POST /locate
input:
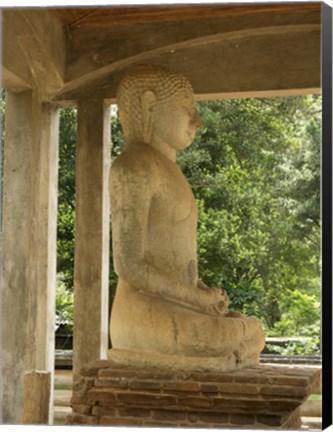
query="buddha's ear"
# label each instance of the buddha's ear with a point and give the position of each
(148, 100)
(147, 104)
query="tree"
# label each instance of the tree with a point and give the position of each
(66, 196)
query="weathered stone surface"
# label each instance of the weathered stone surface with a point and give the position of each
(182, 386)
(192, 417)
(139, 399)
(177, 401)
(82, 409)
(100, 411)
(84, 384)
(81, 419)
(282, 405)
(283, 390)
(134, 412)
(162, 313)
(214, 417)
(112, 382)
(242, 419)
(271, 420)
(240, 404)
(91, 264)
(196, 402)
(209, 388)
(92, 369)
(169, 415)
(120, 421)
(28, 268)
(115, 372)
(146, 385)
(158, 423)
(210, 377)
(104, 397)
(240, 389)
(79, 398)
(293, 421)
(36, 397)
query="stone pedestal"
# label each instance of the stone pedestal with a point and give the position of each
(263, 396)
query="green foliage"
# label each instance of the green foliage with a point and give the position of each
(117, 137)
(299, 310)
(315, 396)
(64, 304)
(66, 196)
(306, 346)
(63, 387)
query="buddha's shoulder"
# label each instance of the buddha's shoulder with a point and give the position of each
(137, 158)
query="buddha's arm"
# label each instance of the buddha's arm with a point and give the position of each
(132, 191)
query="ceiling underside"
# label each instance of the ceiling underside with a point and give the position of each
(224, 50)
(105, 15)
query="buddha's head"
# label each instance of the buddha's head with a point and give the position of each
(156, 104)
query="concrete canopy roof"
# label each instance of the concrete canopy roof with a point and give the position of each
(224, 50)
(74, 18)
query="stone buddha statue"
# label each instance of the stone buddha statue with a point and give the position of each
(162, 313)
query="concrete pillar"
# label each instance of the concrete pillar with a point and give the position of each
(29, 244)
(91, 267)
(36, 406)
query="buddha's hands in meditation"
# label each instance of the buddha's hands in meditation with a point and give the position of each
(215, 300)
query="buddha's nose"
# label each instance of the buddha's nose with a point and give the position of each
(197, 120)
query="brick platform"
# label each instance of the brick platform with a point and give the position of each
(264, 396)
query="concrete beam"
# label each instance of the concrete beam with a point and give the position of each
(64, 66)
(12, 82)
(267, 60)
(34, 48)
(97, 55)
(92, 50)
(29, 244)
(91, 268)
(13, 59)
(101, 16)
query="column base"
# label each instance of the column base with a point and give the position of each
(261, 397)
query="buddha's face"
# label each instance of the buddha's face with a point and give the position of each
(176, 120)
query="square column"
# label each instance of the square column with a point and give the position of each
(29, 244)
(91, 268)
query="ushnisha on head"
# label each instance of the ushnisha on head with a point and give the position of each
(150, 99)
